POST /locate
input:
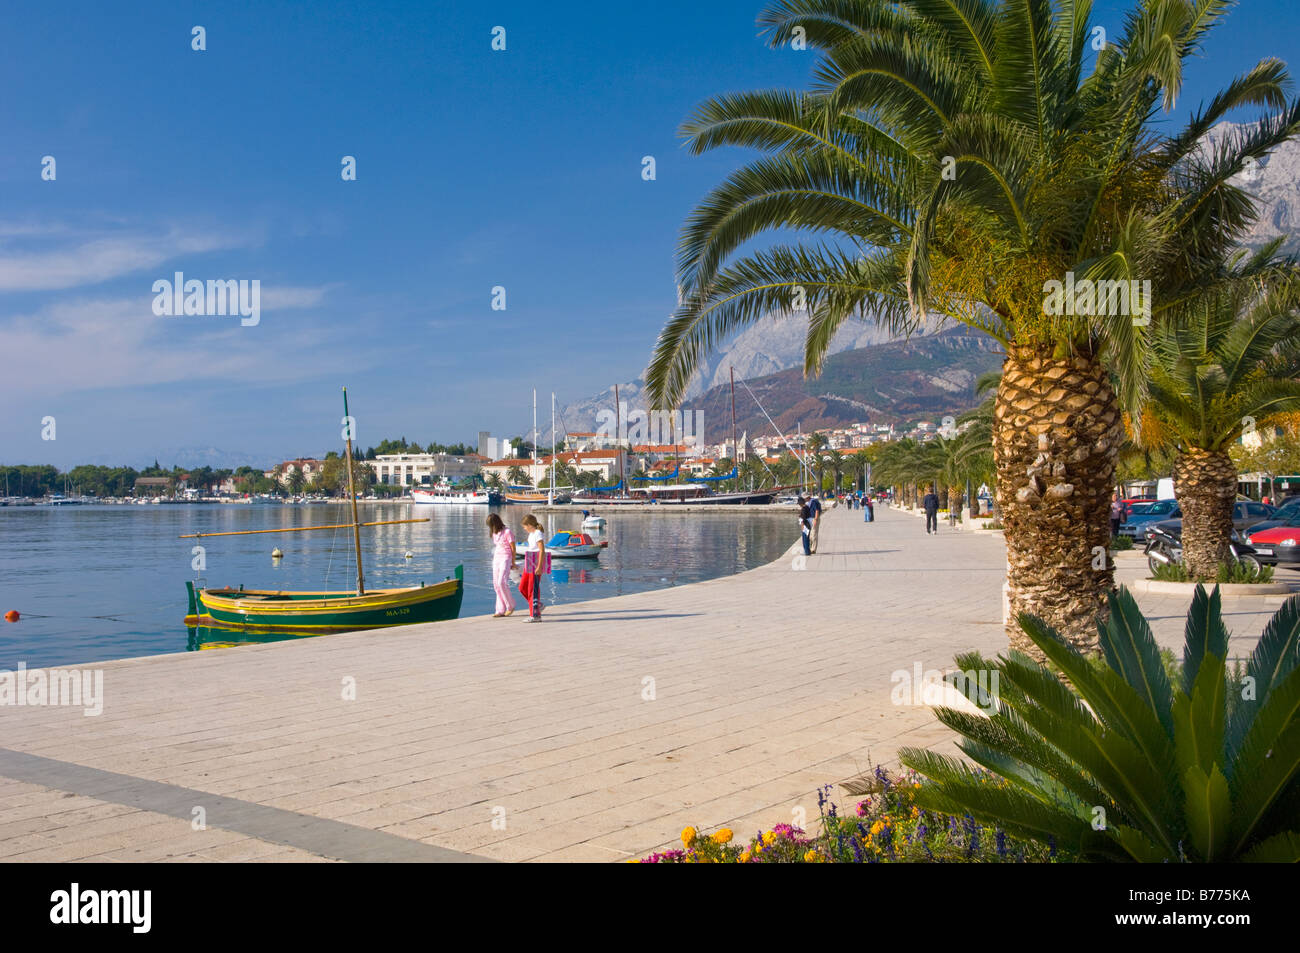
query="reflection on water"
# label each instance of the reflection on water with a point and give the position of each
(104, 582)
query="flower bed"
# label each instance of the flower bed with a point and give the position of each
(886, 827)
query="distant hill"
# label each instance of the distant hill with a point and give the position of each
(884, 384)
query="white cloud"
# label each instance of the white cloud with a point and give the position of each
(98, 259)
(97, 343)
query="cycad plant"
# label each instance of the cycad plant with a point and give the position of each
(956, 159)
(1227, 363)
(1115, 762)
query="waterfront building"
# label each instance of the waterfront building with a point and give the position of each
(152, 486)
(425, 469)
(310, 470)
(606, 464)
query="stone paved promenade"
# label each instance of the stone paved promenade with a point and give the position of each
(765, 686)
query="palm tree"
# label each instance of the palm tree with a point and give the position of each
(1229, 362)
(835, 460)
(903, 465)
(788, 469)
(753, 474)
(516, 475)
(856, 463)
(812, 452)
(957, 158)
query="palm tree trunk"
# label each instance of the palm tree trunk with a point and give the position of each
(1057, 427)
(1205, 483)
(954, 504)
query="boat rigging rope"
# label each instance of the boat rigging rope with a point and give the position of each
(802, 457)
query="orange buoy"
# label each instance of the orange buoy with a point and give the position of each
(11, 615)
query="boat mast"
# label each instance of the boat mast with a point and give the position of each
(617, 426)
(735, 447)
(550, 496)
(531, 474)
(352, 495)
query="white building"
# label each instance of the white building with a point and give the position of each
(605, 464)
(424, 469)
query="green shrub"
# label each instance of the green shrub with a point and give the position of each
(1171, 572)
(1241, 573)
(1120, 544)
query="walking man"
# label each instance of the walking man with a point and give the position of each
(805, 525)
(931, 504)
(815, 510)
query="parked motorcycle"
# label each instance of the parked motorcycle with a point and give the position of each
(1165, 547)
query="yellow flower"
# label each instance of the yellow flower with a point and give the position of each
(723, 836)
(812, 857)
(688, 835)
(769, 838)
(877, 827)
(744, 858)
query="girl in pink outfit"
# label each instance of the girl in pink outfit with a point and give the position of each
(503, 561)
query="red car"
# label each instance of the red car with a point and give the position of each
(1128, 504)
(1279, 545)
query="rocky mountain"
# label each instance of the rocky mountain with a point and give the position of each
(776, 344)
(899, 381)
(770, 346)
(923, 377)
(1275, 181)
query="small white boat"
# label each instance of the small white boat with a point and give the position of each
(566, 545)
(594, 524)
(446, 496)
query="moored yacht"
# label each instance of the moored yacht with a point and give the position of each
(447, 496)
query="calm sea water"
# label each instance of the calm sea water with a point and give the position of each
(104, 582)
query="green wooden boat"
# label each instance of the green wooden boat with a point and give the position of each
(320, 612)
(313, 613)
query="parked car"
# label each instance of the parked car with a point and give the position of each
(1134, 525)
(1289, 508)
(1279, 545)
(1135, 505)
(1245, 516)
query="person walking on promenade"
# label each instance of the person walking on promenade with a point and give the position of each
(503, 563)
(815, 511)
(869, 510)
(1116, 515)
(530, 581)
(805, 525)
(931, 506)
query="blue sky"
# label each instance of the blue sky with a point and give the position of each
(474, 169)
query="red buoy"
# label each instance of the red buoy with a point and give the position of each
(11, 615)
